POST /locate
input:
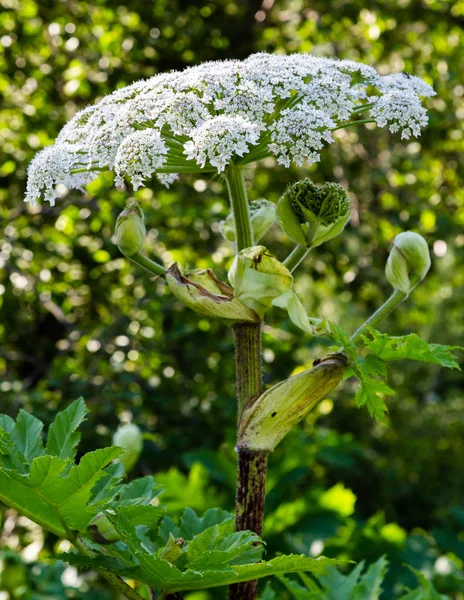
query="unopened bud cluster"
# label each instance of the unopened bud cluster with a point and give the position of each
(311, 215)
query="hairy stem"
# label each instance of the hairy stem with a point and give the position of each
(298, 254)
(251, 483)
(387, 307)
(251, 491)
(240, 206)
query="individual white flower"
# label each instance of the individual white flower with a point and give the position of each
(220, 138)
(139, 156)
(299, 133)
(400, 110)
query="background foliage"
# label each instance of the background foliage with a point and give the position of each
(77, 319)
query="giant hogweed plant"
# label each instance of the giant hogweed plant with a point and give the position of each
(218, 118)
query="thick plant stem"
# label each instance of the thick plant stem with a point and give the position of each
(296, 257)
(240, 206)
(251, 483)
(247, 363)
(381, 313)
(251, 491)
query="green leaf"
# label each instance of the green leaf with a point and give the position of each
(338, 586)
(164, 576)
(52, 492)
(297, 591)
(211, 549)
(62, 435)
(79, 484)
(410, 347)
(18, 496)
(6, 423)
(268, 593)
(369, 588)
(26, 435)
(10, 456)
(143, 515)
(192, 524)
(371, 373)
(139, 491)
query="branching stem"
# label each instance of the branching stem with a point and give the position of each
(298, 254)
(381, 313)
(146, 263)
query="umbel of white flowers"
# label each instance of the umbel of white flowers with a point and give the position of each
(206, 116)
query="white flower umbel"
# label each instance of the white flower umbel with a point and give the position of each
(401, 111)
(207, 116)
(300, 133)
(138, 157)
(220, 138)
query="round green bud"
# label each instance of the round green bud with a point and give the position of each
(310, 214)
(101, 530)
(129, 437)
(408, 262)
(130, 229)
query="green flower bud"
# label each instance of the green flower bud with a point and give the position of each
(408, 262)
(204, 293)
(267, 420)
(129, 437)
(311, 215)
(101, 530)
(130, 229)
(260, 281)
(173, 549)
(262, 216)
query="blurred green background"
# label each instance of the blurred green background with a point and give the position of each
(76, 319)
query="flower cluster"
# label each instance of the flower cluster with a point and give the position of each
(206, 116)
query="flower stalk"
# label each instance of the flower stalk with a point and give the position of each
(239, 204)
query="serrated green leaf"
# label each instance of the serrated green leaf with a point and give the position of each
(162, 575)
(79, 484)
(26, 435)
(192, 524)
(370, 585)
(369, 393)
(297, 591)
(18, 496)
(143, 515)
(410, 347)
(139, 491)
(7, 423)
(53, 492)
(10, 456)
(268, 593)
(108, 486)
(340, 587)
(211, 548)
(62, 435)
